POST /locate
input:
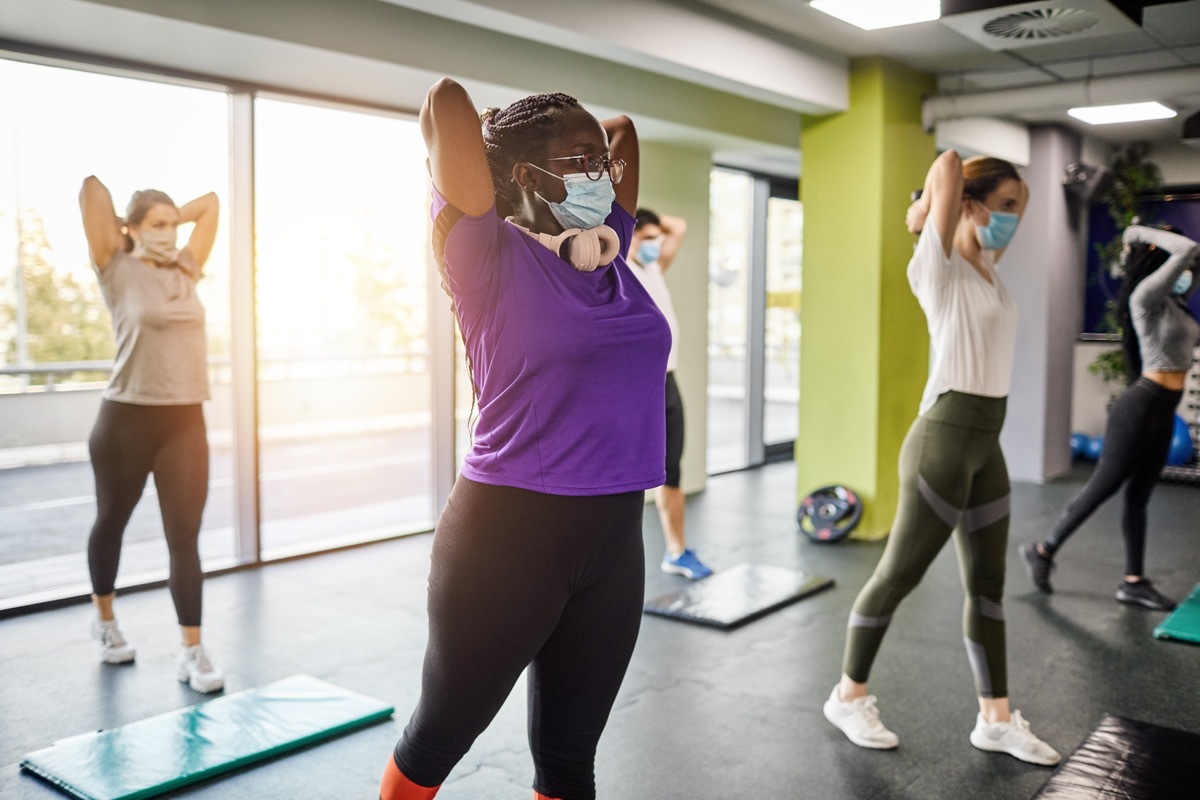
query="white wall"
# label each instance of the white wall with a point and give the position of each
(675, 181)
(1089, 394)
(1043, 269)
(1180, 164)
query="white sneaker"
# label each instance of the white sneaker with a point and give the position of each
(859, 720)
(198, 671)
(113, 647)
(1015, 738)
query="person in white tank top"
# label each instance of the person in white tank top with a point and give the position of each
(652, 249)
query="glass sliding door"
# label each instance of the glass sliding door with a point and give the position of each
(753, 318)
(731, 209)
(781, 375)
(342, 232)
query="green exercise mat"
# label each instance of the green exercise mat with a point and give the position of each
(1184, 622)
(157, 755)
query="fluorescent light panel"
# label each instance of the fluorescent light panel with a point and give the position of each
(1126, 112)
(874, 14)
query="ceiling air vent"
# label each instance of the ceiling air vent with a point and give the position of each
(1017, 25)
(1041, 24)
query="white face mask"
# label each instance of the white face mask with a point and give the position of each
(157, 246)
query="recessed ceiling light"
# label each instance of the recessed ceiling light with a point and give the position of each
(873, 14)
(1126, 112)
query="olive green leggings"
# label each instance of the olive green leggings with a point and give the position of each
(952, 479)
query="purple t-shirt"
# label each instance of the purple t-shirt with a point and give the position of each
(570, 366)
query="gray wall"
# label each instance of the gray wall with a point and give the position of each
(1043, 269)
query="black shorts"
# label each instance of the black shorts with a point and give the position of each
(674, 431)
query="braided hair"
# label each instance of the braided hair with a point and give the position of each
(516, 134)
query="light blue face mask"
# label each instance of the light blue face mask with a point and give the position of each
(999, 230)
(649, 251)
(1183, 283)
(588, 202)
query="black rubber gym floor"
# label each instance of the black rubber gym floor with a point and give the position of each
(703, 713)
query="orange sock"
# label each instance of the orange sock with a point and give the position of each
(540, 796)
(396, 786)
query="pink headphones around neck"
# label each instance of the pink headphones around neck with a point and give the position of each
(585, 249)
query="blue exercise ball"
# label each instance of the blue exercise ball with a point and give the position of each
(1078, 443)
(1181, 444)
(1094, 445)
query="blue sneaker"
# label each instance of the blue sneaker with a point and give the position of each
(686, 564)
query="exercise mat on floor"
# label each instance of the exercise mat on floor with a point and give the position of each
(736, 596)
(153, 756)
(1123, 759)
(1184, 622)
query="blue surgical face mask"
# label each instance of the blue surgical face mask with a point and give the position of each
(999, 230)
(588, 202)
(1183, 283)
(649, 251)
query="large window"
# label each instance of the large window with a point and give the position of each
(321, 425)
(753, 318)
(342, 229)
(56, 127)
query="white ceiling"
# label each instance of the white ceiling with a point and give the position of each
(1168, 39)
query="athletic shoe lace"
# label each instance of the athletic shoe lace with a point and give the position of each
(202, 662)
(1020, 724)
(111, 636)
(870, 711)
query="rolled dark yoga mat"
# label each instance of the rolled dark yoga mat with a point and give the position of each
(1123, 759)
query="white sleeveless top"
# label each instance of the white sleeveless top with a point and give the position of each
(972, 323)
(652, 278)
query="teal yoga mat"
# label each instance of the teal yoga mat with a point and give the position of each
(157, 755)
(1184, 622)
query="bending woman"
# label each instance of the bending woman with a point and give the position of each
(1160, 334)
(952, 473)
(537, 557)
(151, 416)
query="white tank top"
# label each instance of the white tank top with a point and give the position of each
(651, 276)
(972, 323)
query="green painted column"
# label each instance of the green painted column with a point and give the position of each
(864, 351)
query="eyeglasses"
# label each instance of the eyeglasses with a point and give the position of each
(595, 166)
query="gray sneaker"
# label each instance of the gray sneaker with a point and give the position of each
(1038, 566)
(1144, 594)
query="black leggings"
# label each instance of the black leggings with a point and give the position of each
(1136, 443)
(674, 432)
(520, 578)
(128, 442)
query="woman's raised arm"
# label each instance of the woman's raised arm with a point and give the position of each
(101, 225)
(457, 161)
(203, 211)
(623, 144)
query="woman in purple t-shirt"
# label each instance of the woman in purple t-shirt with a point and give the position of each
(537, 558)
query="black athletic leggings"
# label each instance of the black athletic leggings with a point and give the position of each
(1136, 443)
(128, 442)
(519, 578)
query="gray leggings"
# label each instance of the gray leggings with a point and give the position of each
(952, 479)
(128, 442)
